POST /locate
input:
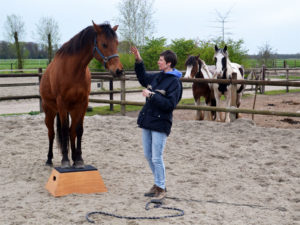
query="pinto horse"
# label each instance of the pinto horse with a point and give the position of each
(224, 69)
(65, 86)
(196, 68)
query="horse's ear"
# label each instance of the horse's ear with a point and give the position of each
(225, 48)
(216, 48)
(96, 27)
(197, 56)
(115, 28)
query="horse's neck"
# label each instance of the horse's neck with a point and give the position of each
(229, 67)
(83, 58)
(88, 56)
(205, 71)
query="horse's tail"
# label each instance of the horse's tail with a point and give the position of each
(60, 132)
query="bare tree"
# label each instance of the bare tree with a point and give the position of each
(48, 33)
(136, 22)
(265, 54)
(14, 27)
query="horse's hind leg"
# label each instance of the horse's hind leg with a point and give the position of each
(49, 121)
(199, 113)
(207, 114)
(238, 103)
(63, 137)
(76, 131)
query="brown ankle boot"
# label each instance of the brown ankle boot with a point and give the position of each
(151, 192)
(160, 194)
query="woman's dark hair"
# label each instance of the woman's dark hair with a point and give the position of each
(170, 56)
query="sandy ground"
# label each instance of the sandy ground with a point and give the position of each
(240, 173)
(235, 173)
(289, 102)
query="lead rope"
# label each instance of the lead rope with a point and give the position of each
(157, 204)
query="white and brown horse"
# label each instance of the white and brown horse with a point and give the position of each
(224, 69)
(196, 68)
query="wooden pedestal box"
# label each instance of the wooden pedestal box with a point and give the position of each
(64, 181)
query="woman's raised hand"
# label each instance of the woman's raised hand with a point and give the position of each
(136, 53)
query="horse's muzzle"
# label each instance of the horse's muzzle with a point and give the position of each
(119, 72)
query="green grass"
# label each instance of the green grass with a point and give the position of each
(283, 77)
(5, 64)
(105, 110)
(19, 114)
(278, 63)
(101, 110)
(278, 92)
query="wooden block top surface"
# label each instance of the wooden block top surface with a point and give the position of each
(73, 169)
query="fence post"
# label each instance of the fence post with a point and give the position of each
(284, 63)
(287, 79)
(123, 92)
(262, 90)
(111, 95)
(233, 116)
(40, 71)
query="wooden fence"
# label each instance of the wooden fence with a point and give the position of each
(97, 77)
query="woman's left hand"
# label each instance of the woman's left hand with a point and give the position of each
(146, 93)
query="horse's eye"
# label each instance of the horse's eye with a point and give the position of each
(104, 45)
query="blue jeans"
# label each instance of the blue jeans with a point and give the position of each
(154, 143)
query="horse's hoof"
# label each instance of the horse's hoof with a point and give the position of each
(79, 164)
(50, 164)
(65, 164)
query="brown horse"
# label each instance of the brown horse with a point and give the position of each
(65, 86)
(196, 68)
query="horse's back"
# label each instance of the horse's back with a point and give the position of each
(211, 69)
(237, 68)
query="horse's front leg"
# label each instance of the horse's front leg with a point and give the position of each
(63, 129)
(76, 132)
(218, 95)
(199, 115)
(227, 95)
(207, 114)
(238, 102)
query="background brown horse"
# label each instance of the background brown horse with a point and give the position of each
(65, 86)
(196, 68)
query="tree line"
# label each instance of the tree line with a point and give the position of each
(29, 50)
(136, 28)
(46, 32)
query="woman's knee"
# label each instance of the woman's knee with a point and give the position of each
(157, 161)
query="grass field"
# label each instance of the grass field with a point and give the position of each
(278, 63)
(7, 64)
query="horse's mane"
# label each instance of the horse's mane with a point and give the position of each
(85, 38)
(191, 61)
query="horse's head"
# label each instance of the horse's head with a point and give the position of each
(106, 48)
(221, 56)
(192, 64)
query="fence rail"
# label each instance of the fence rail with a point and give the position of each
(101, 76)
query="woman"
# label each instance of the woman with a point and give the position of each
(163, 92)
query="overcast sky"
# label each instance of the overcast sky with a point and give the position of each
(257, 22)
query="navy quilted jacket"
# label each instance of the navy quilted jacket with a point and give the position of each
(157, 113)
